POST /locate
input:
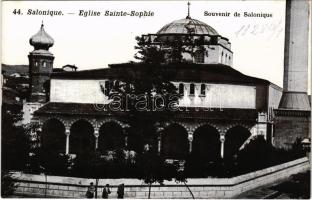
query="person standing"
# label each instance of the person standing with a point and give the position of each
(120, 191)
(106, 191)
(90, 191)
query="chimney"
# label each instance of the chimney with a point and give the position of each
(296, 56)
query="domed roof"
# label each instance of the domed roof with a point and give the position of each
(41, 40)
(186, 26)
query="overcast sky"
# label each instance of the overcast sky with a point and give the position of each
(95, 42)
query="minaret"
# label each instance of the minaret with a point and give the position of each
(292, 118)
(40, 66)
(296, 56)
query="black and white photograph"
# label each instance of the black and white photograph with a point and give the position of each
(156, 99)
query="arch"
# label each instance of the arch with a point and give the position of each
(110, 137)
(53, 136)
(107, 120)
(234, 139)
(246, 126)
(81, 139)
(206, 143)
(82, 119)
(175, 143)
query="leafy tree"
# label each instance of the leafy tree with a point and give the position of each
(297, 149)
(33, 132)
(168, 50)
(8, 184)
(147, 95)
(13, 138)
(148, 53)
(153, 169)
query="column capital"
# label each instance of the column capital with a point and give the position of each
(96, 132)
(67, 131)
(190, 137)
(222, 137)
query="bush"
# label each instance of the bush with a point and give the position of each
(257, 154)
(8, 185)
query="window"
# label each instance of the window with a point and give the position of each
(192, 89)
(181, 89)
(203, 89)
(107, 88)
(117, 83)
(199, 56)
(44, 64)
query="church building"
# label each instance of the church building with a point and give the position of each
(224, 108)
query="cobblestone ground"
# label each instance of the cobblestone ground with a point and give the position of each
(294, 187)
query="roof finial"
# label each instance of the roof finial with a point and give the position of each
(41, 23)
(188, 10)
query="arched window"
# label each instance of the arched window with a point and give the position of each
(107, 88)
(44, 64)
(116, 84)
(199, 56)
(181, 89)
(192, 89)
(203, 89)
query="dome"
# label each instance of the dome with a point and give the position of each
(41, 40)
(186, 26)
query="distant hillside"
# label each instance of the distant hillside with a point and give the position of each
(11, 69)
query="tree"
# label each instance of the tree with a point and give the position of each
(13, 138)
(153, 169)
(148, 96)
(8, 185)
(148, 53)
(167, 49)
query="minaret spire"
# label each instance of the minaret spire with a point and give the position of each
(188, 10)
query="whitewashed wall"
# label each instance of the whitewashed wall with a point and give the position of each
(217, 95)
(77, 91)
(220, 95)
(275, 94)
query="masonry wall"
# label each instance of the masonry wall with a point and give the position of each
(201, 188)
(288, 128)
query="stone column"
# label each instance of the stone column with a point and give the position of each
(96, 135)
(190, 139)
(159, 143)
(222, 139)
(124, 131)
(67, 133)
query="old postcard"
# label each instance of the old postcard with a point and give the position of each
(156, 99)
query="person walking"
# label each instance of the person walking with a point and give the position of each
(120, 191)
(90, 191)
(106, 191)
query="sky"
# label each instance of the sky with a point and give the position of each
(96, 41)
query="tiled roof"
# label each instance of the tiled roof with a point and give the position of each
(184, 113)
(184, 25)
(189, 72)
